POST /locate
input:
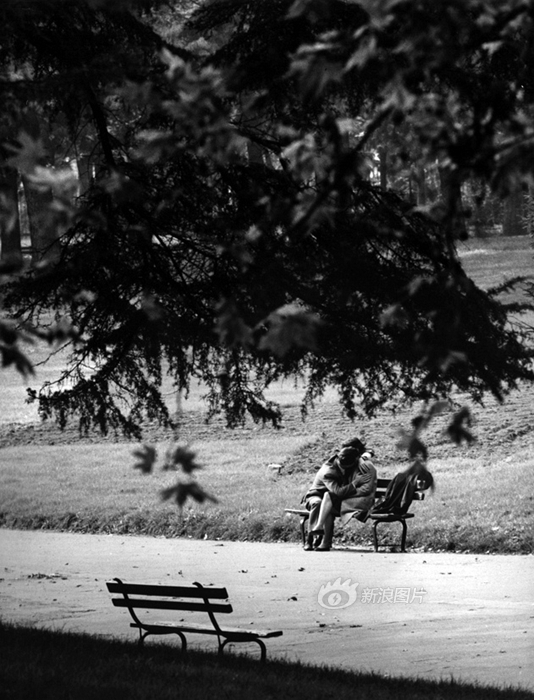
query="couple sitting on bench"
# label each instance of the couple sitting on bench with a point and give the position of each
(343, 487)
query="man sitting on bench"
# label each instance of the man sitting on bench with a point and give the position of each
(343, 487)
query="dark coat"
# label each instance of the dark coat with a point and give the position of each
(399, 494)
(401, 489)
(352, 490)
(358, 506)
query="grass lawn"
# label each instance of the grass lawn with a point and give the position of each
(491, 261)
(484, 493)
(483, 502)
(45, 665)
(96, 488)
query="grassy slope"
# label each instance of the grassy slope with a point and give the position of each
(43, 664)
(483, 500)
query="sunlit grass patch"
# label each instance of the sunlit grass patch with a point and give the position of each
(95, 487)
(481, 504)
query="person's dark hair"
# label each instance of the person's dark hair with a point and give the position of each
(347, 456)
(356, 444)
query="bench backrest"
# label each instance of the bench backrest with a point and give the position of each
(193, 597)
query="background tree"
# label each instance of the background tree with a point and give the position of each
(231, 229)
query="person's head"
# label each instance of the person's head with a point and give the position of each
(355, 444)
(347, 457)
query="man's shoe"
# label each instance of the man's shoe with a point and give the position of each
(308, 547)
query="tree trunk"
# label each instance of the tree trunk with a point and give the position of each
(383, 167)
(451, 196)
(255, 153)
(512, 224)
(10, 238)
(422, 189)
(85, 173)
(44, 237)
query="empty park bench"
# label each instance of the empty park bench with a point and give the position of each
(184, 598)
(377, 518)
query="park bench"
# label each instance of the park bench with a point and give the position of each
(184, 598)
(377, 518)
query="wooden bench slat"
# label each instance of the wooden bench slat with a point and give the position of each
(218, 592)
(151, 604)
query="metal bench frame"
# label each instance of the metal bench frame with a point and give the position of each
(195, 597)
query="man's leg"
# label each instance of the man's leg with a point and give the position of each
(313, 504)
(327, 513)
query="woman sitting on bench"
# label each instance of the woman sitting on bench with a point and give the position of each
(343, 487)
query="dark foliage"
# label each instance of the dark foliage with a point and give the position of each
(232, 229)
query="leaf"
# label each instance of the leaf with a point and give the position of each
(197, 493)
(417, 448)
(492, 46)
(61, 181)
(409, 441)
(146, 456)
(176, 493)
(394, 315)
(288, 330)
(458, 429)
(11, 262)
(313, 10)
(27, 155)
(181, 491)
(230, 327)
(180, 456)
(11, 355)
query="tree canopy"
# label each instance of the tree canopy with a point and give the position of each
(235, 192)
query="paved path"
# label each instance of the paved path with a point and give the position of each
(427, 615)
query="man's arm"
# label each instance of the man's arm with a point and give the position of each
(332, 479)
(365, 481)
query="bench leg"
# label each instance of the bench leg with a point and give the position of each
(403, 535)
(263, 649)
(403, 538)
(144, 635)
(375, 535)
(183, 640)
(303, 529)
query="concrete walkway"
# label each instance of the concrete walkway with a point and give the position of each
(429, 615)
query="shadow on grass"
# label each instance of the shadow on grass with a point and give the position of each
(40, 664)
